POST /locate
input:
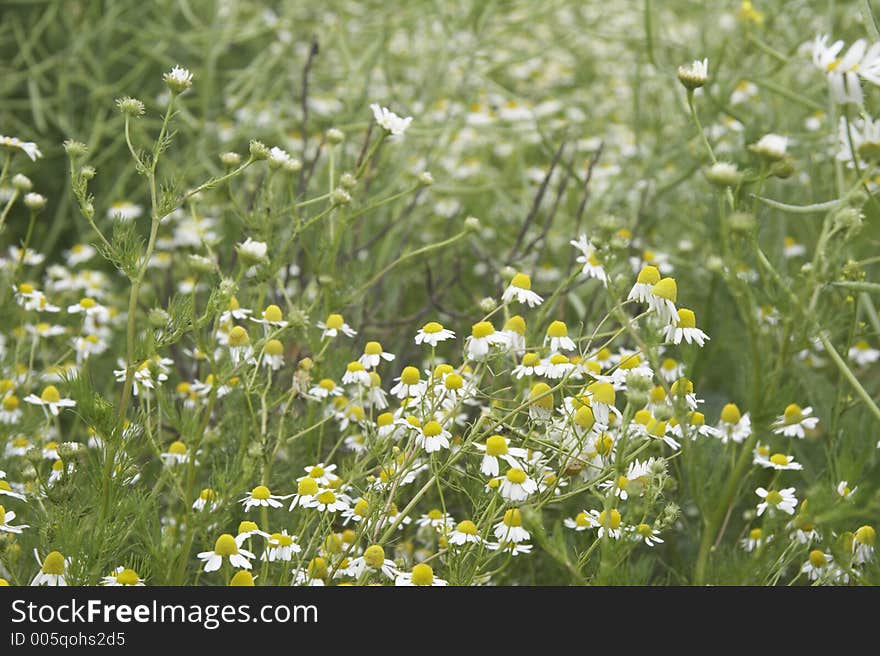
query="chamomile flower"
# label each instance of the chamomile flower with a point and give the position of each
(281, 546)
(50, 400)
(754, 540)
(795, 421)
(79, 254)
(862, 354)
(335, 324)
(273, 355)
(645, 533)
(272, 317)
(557, 337)
(465, 533)
(858, 141)
(421, 575)
(777, 461)
(306, 494)
(226, 547)
(774, 500)
(694, 75)
(53, 570)
(330, 501)
(389, 121)
(7, 491)
(239, 344)
(7, 516)
(686, 328)
(791, 248)
(516, 485)
(207, 500)
(432, 333)
(520, 288)
(433, 437)
(592, 267)
(498, 447)
(641, 290)
(123, 210)
(123, 577)
(843, 72)
(356, 374)
(10, 412)
(373, 560)
(177, 454)
(844, 491)
(409, 384)
(662, 301)
(483, 337)
(436, 519)
(610, 522)
(29, 148)
(373, 355)
(529, 365)
(580, 522)
(251, 252)
(325, 389)
(733, 425)
(260, 496)
(510, 528)
(819, 565)
(863, 544)
(771, 146)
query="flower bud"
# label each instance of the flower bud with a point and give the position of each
(21, 183)
(34, 202)
(258, 150)
(178, 79)
(347, 181)
(488, 304)
(335, 136)
(201, 264)
(425, 178)
(742, 222)
(472, 224)
(230, 159)
(723, 174)
(130, 107)
(75, 149)
(340, 197)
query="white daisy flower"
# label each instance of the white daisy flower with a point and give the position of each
(123, 577)
(432, 333)
(356, 374)
(421, 575)
(774, 500)
(844, 490)
(29, 148)
(754, 540)
(433, 437)
(795, 421)
(498, 447)
(53, 570)
(261, 497)
(645, 533)
(777, 461)
(557, 337)
(281, 546)
(465, 533)
(592, 267)
(516, 485)
(863, 545)
(733, 425)
(390, 121)
(226, 547)
(862, 354)
(580, 522)
(335, 324)
(373, 355)
(685, 328)
(520, 288)
(510, 528)
(483, 337)
(7, 516)
(436, 519)
(662, 301)
(50, 399)
(306, 494)
(409, 384)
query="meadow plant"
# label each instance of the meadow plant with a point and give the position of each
(427, 294)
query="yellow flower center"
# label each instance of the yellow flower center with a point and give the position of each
(649, 275)
(355, 366)
(467, 527)
(281, 540)
(512, 517)
(261, 493)
(666, 289)
(385, 419)
(522, 281)
(25, 288)
(435, 514)
(50, 394)
(432, 429)
(581, 519)
(643, 417)
(697, 419)
(866, 535)
(658, 394)
(10, 402)
(669, 364)
(817, 558)
(516, 476)
(410, 376)
(242, 579)
(238, 336)
(326, 497)
(307, 487)
(793, 414)
(779, 459)
(361, 508)
(686, 318)
(422, 574)
(178, 448)
(127, 577)
(773, 498)
(317, 568)
(584, 417)
(730, 414)
(454, 382)
(273, 313)
(645, 530)
(531, 360)
(374, 556)
(539, 390)
(612, 522)
(206, 494)
(603, 444)
(327, 384)
(274, 347)
(334, 322)
(557, 329)
(225, 545)
(373, 348)
(756, 534)
(602, 392)
(54, 563)
(622, 482)
(432, 327)
(482, 329)
(516, 324)
(496, 446)
(631, 361)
